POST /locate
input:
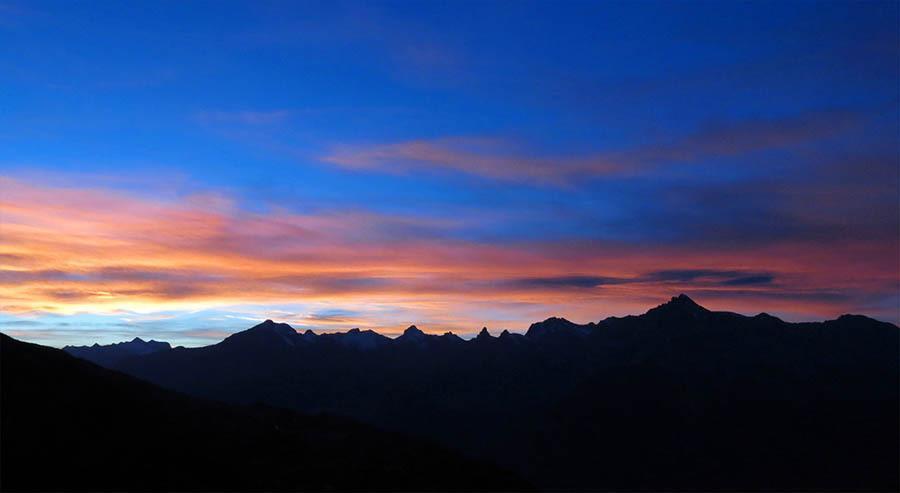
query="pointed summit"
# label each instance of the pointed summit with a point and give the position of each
(508, 337)
(412, 334)
(484, 334)
(412, 331)
(683, 300)
(681, 306)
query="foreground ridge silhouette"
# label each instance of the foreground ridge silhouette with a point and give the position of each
(68, 425)
(679, 398)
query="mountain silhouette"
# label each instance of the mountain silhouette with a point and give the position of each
(69, 425)
(265, 335)
(111, 354)
(678, 398)
(555, 326)
(679, 307)
(356, 339)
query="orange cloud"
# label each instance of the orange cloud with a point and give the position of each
(77, 250)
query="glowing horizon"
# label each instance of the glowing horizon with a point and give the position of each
(74, 251)
(371, 166)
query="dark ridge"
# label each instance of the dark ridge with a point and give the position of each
(680, 398)
(268, 333)
(412, 333)
(552, 325)
(100, 430)
(450, 336)
(678, 307)
(112, 354)
(356, 339)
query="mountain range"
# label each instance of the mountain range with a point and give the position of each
(111, 354)
(678, 398)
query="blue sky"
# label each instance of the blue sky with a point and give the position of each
(586, 139)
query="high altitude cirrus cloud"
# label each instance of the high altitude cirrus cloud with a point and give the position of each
(497, 159)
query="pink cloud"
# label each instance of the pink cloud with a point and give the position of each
(498, 159)
(68, 250)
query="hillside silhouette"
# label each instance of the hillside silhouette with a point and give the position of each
(679, 398)
(69, 425)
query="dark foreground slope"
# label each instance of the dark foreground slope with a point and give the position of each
(679, 398)
(70, 425)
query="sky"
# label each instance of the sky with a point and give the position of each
(183, 170)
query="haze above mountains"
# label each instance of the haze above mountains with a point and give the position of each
(679, 398)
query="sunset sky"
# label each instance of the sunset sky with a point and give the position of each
(184, 170)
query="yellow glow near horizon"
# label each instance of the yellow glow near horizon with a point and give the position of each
(71, 250)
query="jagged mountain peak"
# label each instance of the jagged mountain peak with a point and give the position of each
(484, 334)
(679, 306)
(683, 299)
(412, 331)
(414, 335)
(110, 353)
(135, 344)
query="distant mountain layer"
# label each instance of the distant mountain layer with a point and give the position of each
(679, 398)
(69, 425)
(111, 354)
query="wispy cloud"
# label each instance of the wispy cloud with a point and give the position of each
(72, 250)
(694, 277)
(244, 117)
(488, 158)
(499, 159)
